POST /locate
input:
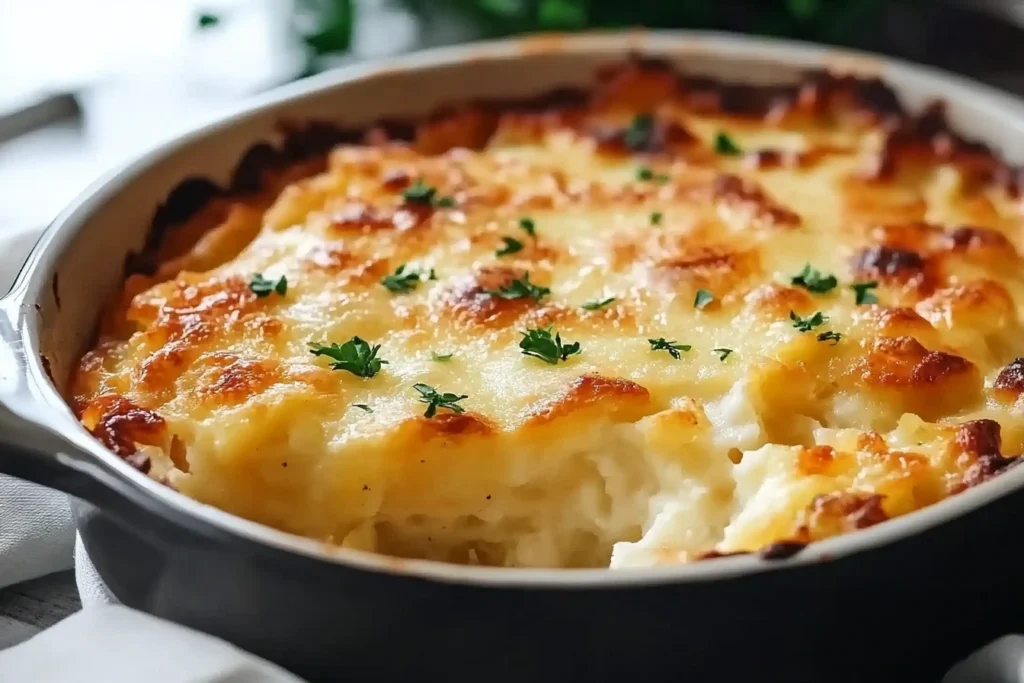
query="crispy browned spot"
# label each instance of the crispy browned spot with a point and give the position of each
(744, 193)
(982, 244)
(719, 267)
(781, 550)
(767, 159)
(453, 424)
(815, 460)
(984, 304)
(119, 424)
(471, 302)
(637, 85)
(615, 395)
(663, 136)
(984, 468)
(896, 321)
(469, 127)
(233, 380)
(365, 217)
(773, 300)
(979, 437)
(396, 180)
(871, 442)
(714, 554)
(904, 362)
(841, 512)
(1010, 382)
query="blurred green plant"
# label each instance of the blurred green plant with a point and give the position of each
(326, 27)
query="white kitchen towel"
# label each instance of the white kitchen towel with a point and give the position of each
(36, 533)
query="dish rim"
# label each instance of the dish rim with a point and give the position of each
(34, 276)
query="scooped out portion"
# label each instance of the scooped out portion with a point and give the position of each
(662, 320)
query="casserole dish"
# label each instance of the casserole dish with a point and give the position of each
(902, 599)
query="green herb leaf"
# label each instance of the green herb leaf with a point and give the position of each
(520, 289)
(725, 146)
(207, 20)
(722, 353)
(645, 174)
(640, 133)
(441, 357)
(809, 323)
(703, 298)
(511, 246)
(420, 193)
(540, 343)
(813, 280)
(862, 290)
(435, 400)
(656, 218)
(355, 356)
(262, 287)
(833, 337)
(402, 281)
(596, 305)
(528, 226)
(363, 407)
(445, 202)
(672, 347)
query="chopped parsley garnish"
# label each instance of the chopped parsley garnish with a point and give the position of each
(528, 226)
(703, 298)
(363, 407)
(540, 343)
(207, 20)
(645, 174)
(355, 355)
(445, 202)
(809, 323)
(595, 305)
(813, 280)
(640, 133)
(725, 145)
(441, 357)
(262, 287)
(520, 289)
(511, 246)
(420, 193)
(435, 400)
(862, 290)
(656, 218)
(403, 281)
(722, 353)
(833, 337)
(672, 347)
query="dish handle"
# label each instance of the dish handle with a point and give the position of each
(35, 451)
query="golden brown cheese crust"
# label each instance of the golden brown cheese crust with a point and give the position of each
(632, 197)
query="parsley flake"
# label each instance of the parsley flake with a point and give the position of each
(809, 323)
(528, 226)
(355, 356)
(813, 280)
(725, 145)
(722, 353)
(596, 305)
(640, 133)
(703, 298)
(862, 290)
(362, 406)
(672, 347)
(445, 203)
(441, 357)
(656, 218)
(403, 281)
(511, 247)
(435, 400)
(520, 289)
(540, 343)
(645, 174)
(262, 287)
(831, 336)
(207, 20)
(420, 193)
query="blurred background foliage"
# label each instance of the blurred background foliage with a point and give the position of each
(326, 27)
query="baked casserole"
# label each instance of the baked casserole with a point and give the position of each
(661, 320)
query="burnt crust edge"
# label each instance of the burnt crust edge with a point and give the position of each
(302, 141)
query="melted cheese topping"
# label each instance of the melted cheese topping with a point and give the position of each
(621, 454)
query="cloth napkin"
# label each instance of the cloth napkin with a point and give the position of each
(115, 644)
